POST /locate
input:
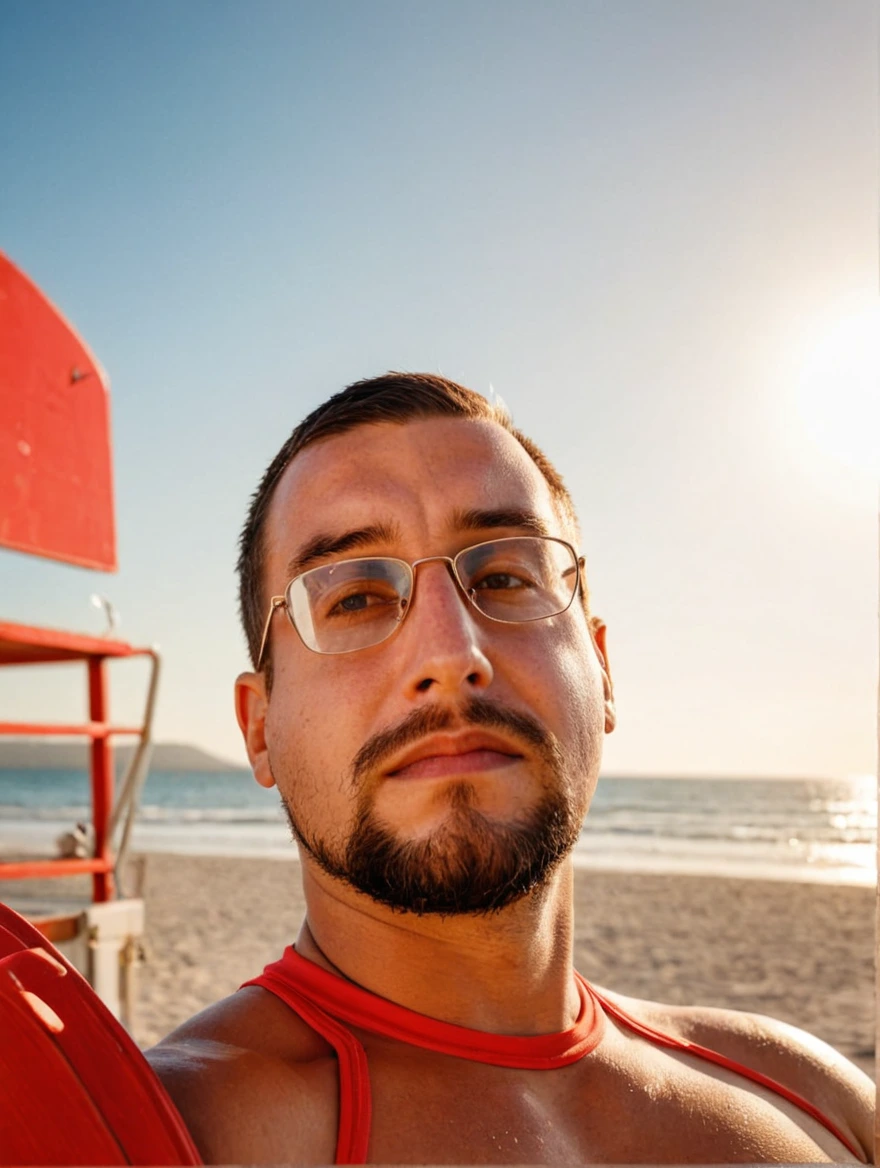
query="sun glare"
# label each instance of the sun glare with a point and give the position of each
(839, 391)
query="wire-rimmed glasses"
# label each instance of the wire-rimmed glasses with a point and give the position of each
(354, 604)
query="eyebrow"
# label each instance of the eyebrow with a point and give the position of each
(477, 520)
(323, 545)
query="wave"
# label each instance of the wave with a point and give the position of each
(153, 814)
(677, 827)
(148, 814)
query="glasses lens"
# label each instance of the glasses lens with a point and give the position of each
(349, 605)
(520, 579)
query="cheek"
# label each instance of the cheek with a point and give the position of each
(580, 711)
(313, 737)
(303, 740)
(302, 711)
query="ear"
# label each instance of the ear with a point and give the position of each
(597, 634)
(251, 705)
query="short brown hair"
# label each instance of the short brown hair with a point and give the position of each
(393, 397)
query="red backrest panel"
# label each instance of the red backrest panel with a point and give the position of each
(56, 484)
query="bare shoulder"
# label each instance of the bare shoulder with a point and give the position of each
(792, 1057)
(253, 1083)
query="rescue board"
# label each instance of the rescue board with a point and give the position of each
(74, 1087)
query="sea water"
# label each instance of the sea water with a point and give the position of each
(800, 829)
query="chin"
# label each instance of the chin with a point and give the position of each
(470, 864)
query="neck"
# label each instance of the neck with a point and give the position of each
(513, 968)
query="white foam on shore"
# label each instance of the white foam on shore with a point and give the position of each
(597, 852)
(626, 865)
(740, 870)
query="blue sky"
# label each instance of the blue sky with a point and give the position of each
(634, 220)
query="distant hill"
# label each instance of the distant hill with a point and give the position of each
(38, 754)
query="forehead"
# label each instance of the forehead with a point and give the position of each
(418, 474)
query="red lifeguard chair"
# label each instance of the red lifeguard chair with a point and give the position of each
(56, 501)
(74, 1089)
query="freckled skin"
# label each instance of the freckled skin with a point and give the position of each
(253, 1082)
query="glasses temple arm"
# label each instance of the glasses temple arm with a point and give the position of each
(275, 603)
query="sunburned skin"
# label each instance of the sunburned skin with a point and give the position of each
(254, 1082)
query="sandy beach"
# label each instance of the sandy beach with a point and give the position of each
(800, 952)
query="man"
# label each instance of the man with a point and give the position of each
(430, 694)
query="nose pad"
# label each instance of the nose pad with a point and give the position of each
(466, 595)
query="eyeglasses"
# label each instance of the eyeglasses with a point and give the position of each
(354, 604)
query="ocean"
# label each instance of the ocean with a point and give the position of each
(790, 829)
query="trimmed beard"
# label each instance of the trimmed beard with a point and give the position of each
(471, 863)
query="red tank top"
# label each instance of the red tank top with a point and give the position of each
(325, 1002)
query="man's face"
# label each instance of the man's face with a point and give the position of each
(448, 768)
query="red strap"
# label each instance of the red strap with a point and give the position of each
(349, 1002)
(723, 1061)
(355, 1102)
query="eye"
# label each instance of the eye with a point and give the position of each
(355, 603)
(498, 581)
(504, 578)
(361, 601)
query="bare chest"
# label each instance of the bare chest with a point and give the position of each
(441, 1110)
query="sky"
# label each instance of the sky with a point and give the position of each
(637, 222)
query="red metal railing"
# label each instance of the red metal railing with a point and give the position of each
(26, 645)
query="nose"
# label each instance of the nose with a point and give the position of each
(443, 636)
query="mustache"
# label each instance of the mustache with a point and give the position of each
(435, 719)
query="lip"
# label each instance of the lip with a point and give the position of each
(440, 754)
